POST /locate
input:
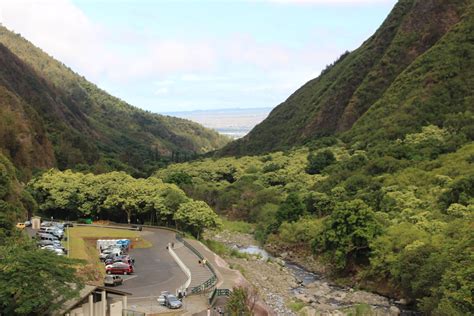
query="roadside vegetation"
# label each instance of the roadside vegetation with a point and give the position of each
(32, 281)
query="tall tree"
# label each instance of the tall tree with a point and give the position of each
(196, 216)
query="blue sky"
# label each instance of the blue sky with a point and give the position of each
(179, 55)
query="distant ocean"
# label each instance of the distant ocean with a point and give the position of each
(234, 123)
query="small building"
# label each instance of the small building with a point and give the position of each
(36, 222)
(96, 300)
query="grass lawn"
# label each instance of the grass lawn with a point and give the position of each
(82, 245)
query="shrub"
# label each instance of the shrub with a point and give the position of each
(317, 162)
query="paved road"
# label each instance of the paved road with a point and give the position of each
(155, 269)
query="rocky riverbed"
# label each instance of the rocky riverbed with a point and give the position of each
(291, 290)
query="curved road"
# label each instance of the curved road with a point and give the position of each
(155, 269)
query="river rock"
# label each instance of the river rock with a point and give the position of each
(311, 285)
(394, 311)
(401, 302)
(308, 311)
(304, 298)
(359, 297)
(280, 262)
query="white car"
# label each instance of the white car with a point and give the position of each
(58, 251)
(116, 251)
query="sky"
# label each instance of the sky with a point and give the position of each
(182, 55)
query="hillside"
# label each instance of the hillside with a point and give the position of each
(51, 116)
(414, 71)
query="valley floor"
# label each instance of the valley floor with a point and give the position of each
(286, 294)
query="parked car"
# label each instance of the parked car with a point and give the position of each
(110, 253)
(119, 268)
(28, 223)
(122, 258)
(113, 280)
(58, 251)
(53, 231)
(68, 224)
(42, 243)
(172, 302)
(46, 224)
(108, 258)
(44, 236)
(137, 227)
(20, 225)
(161, 299)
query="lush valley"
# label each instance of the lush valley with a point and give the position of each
(368, 169)
(402, 227)
(53, 117)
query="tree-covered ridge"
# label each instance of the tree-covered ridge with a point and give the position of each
(398, 221)
(51, 116)
(423, 47)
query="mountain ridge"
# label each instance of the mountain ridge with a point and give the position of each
(85, 125)
(334, 102)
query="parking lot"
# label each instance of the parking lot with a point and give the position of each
(155, 269)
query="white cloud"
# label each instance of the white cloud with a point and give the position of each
(60, 29)
(183, 72)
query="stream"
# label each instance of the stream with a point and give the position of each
(316, 290)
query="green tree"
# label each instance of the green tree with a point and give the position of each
(347, 233)
(291, 209)
(322, 204)
(179, 178)
(34, 281)
(317, 162)
(195, 216)
(242, 301)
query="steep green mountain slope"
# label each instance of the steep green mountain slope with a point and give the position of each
(51, 116)
(423, 46)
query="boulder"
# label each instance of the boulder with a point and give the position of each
(308, 311)
(401, 302)
(394, 311)
(304, 298)
(280, 262)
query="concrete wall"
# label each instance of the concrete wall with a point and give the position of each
(182, 266)
(115, 309)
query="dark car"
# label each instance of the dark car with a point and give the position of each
(45, 236)
(112, 280)
(119, 268)
(172, 302)
(122, 258)
(137, 227)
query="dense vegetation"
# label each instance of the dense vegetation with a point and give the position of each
(117, 196)
(23, 289)
(399, 224)
(414, 71)
(381, 191)
(51, 116)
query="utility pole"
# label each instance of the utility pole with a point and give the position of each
(68, 248)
